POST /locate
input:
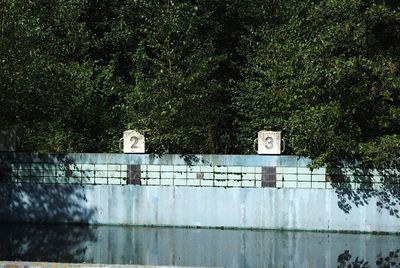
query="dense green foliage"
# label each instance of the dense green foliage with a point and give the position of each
(329, 74)
(203, 76)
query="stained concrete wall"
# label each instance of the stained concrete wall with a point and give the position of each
(260, 208)
(170, 169)
(150, 159)
(253, 171)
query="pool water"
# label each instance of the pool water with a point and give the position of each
(195, 247)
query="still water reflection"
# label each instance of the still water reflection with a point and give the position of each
(196, 247)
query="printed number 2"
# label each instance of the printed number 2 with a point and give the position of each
(134, 141)
(269, 142)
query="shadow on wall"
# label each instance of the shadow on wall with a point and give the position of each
(346, 260)
(59, 203)
(357, 185)
(34, 202)
(37, 168)
(192, 160)
(50, 243)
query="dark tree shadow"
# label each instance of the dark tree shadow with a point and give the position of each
(346, 260)
(193, 160)
(35, 168)
(357, 185)
(38, 202)
(50, 243)
(59, 203)
(32, 201)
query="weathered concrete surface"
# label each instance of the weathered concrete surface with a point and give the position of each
(262, 208)
(18, 264)
(166, 159)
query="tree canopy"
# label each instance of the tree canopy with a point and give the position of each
(203, 76)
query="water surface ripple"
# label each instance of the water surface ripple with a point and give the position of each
(196, 247)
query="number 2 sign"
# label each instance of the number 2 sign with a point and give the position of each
(133, 142)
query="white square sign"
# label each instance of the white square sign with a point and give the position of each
(269, 142)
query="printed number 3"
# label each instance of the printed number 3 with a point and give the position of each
(269, 142)
(134, 141)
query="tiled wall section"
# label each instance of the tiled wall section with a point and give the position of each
(232, 176)
(217, 176)
(193, 170)
(178, 175)
(72, 173)
(301, 177)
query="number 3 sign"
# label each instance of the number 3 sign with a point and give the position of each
(269, 142)
(133, 142)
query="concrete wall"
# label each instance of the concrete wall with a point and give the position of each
(150, 159)
(250, 171)
(261, 208)
(172, 170)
